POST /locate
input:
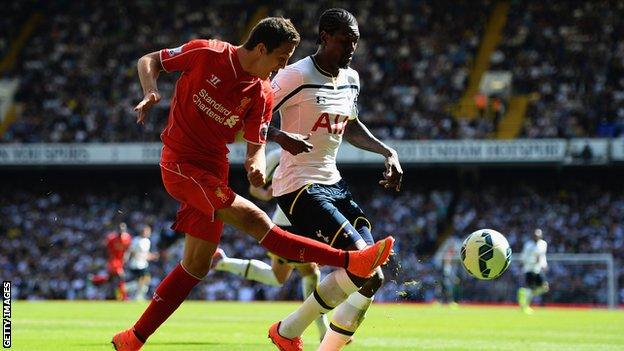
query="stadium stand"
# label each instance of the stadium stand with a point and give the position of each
(78, 84)
(570, 55)
(54, 234)
(78, 71)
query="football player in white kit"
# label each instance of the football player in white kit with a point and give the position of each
(138, 262)
(317, 96)
(280, 269)
(533, 258)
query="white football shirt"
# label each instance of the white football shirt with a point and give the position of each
(272, 163)
(139, 249)
(533, 256)
(311, 102)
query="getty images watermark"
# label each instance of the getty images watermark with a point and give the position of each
(6, 314)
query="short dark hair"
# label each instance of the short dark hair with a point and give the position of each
(272, 32)
(333, 20)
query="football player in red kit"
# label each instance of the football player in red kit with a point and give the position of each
(117, 243)
(221, 90)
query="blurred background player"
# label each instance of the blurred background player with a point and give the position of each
(280, 269)
(223, 89)
(534, 264)
(317, 95)
(117, 244)
(138, 263)
(447, 290)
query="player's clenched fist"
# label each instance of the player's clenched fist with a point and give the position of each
(256, 177)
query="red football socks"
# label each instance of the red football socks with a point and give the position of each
(298, 248)
(121, 289)
(168, 296)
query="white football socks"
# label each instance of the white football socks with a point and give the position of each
(308, 284)
(249, 269)
(142, 291)
(347, 318)
(332, 290)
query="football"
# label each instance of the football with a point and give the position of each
(485, 254)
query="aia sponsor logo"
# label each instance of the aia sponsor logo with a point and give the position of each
(333, 124)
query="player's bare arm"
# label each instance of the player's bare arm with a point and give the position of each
(291, 142)
(149, 67)
(255, 164)
(261, 193)
(359, 136)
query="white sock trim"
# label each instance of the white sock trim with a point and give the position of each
(189, 273)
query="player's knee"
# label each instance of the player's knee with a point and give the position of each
(309, 269)
(196, 267)
(280, 280)
(281, 275)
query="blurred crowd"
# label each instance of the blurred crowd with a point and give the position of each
(413, 58)
(78, 80)
(570, 54)
(54, 237)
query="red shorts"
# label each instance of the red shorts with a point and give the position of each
(200, 194)
(115, 267)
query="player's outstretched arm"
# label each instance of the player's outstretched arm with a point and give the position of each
(149, 67)
(293, 143)
(359, 136)
(255, 164)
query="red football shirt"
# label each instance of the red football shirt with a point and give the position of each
(117, 246)
(214, 98)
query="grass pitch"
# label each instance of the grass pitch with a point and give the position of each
(68, 326)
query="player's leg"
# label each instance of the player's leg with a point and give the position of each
(246, 216)
(170, 293)
(143, 285)
(176, 286)
(350, 314)
(540, 285)
(282, 269)
(132, 283)
(250, 269)
(312, 209)
(189, 186)
(525, 293)
(210, 194)
(118, 284)
(201, 239)
(113, 282)
(310, 277)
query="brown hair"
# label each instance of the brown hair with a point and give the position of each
(272, 32)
